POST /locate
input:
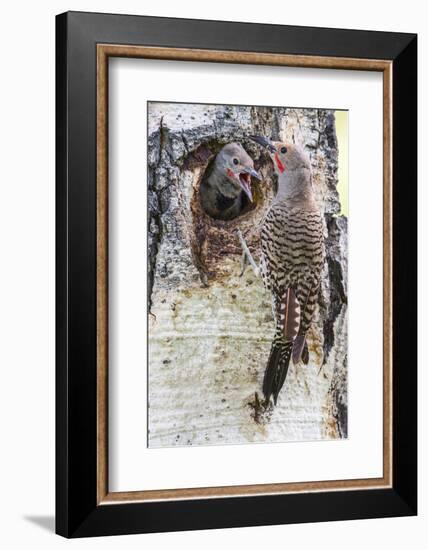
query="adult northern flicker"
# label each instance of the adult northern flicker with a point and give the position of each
(227, 187)
(292, 258)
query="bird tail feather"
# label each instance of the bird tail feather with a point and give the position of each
(300, 350)
(305, 354)
(277, 368)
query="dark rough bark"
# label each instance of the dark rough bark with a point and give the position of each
(336, 303)
(194, 267)
(336, 246)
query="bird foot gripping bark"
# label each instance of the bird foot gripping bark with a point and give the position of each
(247, 257)
(261, 410)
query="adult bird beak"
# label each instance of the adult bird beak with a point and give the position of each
(252, 172)
(264, 142)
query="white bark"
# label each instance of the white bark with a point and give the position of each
(210, 329)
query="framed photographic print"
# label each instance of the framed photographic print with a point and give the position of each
(236, 274)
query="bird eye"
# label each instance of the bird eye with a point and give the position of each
(235, 161)
(283, 150)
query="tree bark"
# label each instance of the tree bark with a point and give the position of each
(210, 329)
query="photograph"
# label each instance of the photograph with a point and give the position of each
(247, 274)
(212, 275)
(213, 299)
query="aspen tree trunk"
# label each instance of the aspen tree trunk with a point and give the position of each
(210, 330)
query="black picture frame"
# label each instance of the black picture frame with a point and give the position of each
(77, 512)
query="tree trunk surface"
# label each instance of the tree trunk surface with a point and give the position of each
(210, 329)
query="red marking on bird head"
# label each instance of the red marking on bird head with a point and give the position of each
(230, 173)
(281, 166)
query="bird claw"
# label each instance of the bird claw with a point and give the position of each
(246, 258)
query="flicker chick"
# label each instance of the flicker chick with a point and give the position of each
(226, 189)
(291, 260)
